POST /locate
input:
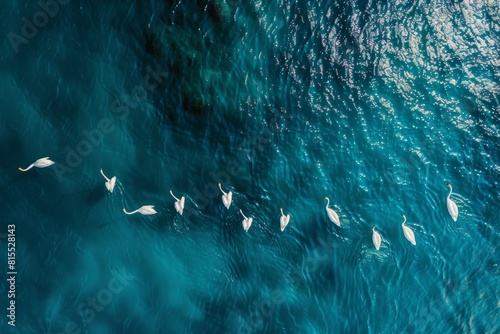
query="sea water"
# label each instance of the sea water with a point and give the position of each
(373, 104)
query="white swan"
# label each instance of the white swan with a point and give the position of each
(110, 183)
(40, 163)
(179, 203)
(334, 217)
(284, 220)
(143, 210)
(376, 238)
(226, 198)
(452, 206)
(408, 232)
(247, 222)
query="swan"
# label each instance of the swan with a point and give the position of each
(452, 206)
(226, 198)
(40, 163)
(284, 220)
(143, 210)
(110, 183)
(408, 232)
(179, 203)
(334, 217)
(247, 222)
(376, 238)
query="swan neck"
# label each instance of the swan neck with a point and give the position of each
(221, 189)
(26, 169)
(104, 175)
(327, 202)
(171, 193)
(451, 190)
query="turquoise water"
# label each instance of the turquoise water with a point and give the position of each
(374, 105)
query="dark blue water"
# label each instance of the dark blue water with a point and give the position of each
(372, 104)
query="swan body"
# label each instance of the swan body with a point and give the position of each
(452, 206)
(284, 220)
(179, 203)
(110, 183)
(226, 197)
(143, 210)
(334, 217)
(409, 235)
(376, 238)
(247, 222)
(40, 163)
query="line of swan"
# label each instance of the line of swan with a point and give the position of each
(226, 197)
(247, 222)
(110, 183)
(409, 235)
(40, 163)
(334, 217)
(143, 210)
(284, 220)
(179, 203)
(452, 206)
